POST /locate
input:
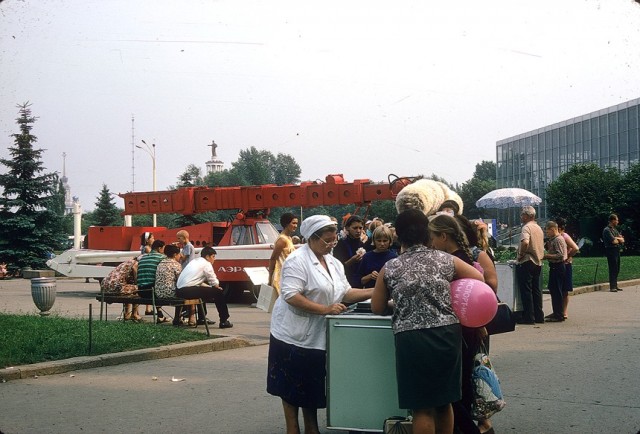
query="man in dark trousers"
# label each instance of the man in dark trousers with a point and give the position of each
(529, 267)
(556, 255)
(613, 241)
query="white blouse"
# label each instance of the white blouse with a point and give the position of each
(303, 274)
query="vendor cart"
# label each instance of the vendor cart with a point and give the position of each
(361, 372)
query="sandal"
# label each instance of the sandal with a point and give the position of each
(161, 319)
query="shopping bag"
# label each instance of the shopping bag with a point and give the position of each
(397, 425)
(504, 321)
(487, 394)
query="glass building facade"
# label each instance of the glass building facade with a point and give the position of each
(608, 137)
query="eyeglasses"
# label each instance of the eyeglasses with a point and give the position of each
(331, 244)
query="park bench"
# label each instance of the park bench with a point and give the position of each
(105, 299)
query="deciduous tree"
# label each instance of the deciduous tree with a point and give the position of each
(482, 182)
(585, 190)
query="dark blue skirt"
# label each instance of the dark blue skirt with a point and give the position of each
(297, 375)
(429, 367)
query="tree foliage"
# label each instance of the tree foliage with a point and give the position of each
(106, 212)
(482, 182)
(630, 210)
(30, 228)
(191, 177)
(585, 190)
(257, 167)
(587, 194)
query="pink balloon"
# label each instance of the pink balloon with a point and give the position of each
(473, 301)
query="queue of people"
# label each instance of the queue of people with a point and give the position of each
(328, 272)
(434, 352)
(170, 271)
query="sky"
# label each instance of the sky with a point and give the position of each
(362, 88)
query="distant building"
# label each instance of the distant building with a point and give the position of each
(608, 137)
(214, 165)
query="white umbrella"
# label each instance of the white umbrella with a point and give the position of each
(503, 198)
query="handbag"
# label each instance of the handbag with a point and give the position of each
(397, 425)
(504, 320)
(487, 394)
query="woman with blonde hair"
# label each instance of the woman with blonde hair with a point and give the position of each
(448, 234)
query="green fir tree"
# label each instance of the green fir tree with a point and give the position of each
(29, 226)
(106, 212)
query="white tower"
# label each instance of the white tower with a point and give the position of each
(214, 165)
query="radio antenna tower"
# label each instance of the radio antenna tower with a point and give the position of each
(133, 156)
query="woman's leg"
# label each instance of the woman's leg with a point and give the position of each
(134, 313)
(444, 419)
(127, 312)
(424, 421)
(310, 416)
(291, 418)
(437, 420)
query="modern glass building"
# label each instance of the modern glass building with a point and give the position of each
(608, 137)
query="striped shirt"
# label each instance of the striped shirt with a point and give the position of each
(147, 269)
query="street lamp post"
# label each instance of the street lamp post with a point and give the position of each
(152, 153)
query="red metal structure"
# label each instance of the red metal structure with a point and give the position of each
(244, 241)
(254, 199)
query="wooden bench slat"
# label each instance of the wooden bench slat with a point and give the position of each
(132, 299)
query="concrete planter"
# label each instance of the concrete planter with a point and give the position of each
(43, 292)
(28, 273)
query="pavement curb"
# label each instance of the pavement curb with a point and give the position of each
(88, 362)
(602, 287)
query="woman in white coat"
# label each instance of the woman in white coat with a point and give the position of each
(313, 284)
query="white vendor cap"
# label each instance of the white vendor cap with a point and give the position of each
(314, 223)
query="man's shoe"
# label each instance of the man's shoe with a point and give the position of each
(225, 324)
(619, 289)
(613, 290)
(201, 322)
(554, 319)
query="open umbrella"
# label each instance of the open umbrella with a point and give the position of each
(504, 198)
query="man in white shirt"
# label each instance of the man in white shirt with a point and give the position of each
(198, 280)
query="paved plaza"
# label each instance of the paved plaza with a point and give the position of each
(574, 377)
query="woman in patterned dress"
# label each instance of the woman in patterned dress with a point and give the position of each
(426, 330)
(166, 277)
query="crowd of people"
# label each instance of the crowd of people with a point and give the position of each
(405, 269)
(170, 271)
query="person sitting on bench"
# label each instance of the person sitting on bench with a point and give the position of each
(147, 266)
(166, 277)
(198, 280)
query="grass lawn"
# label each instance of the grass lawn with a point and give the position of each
(29, 339)
(587, 271)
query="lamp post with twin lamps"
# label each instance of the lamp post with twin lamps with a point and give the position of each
(151, 150)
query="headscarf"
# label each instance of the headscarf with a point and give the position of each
(312, 224)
